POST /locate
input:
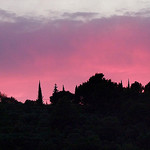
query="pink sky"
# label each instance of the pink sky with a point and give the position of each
(68, 52)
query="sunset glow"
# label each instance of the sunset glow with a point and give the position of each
(70, 45)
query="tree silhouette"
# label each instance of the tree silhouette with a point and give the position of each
(8, 100)
(2, 96)
(136, 87)
(55, 89)
(30, 102)
(53, 98)
(120, 86)
(40, 98)
(58, 95)
(63, 89)
(98, 91)
(76, 88)
(100, 115)
(128, 84)
(147, 88)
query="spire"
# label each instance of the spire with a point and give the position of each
(40, 98)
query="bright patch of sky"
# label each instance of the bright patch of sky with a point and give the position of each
(55, 8)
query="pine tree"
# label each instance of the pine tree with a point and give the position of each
(54, 97)
(55, 89)
(40, 98)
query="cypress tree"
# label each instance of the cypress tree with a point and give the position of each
(128, 84)
(121, 84)
(40, 97)
(63, 88)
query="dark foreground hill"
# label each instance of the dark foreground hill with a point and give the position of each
(101, 115)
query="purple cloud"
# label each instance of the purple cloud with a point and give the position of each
(68, 52)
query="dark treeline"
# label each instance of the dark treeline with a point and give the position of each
(100, 115)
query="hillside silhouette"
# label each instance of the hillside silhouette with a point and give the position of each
(100, 115)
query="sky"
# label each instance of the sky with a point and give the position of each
(67, 41)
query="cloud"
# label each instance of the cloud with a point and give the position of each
(84, 16)
(105, 8)
(7, 16)
(66, 51)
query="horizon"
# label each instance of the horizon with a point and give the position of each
(47, 101)
(66, 42)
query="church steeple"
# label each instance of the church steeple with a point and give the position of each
(40, 97)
